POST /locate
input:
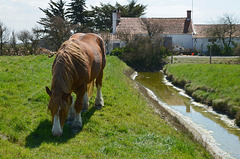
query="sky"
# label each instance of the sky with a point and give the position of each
(21, 15)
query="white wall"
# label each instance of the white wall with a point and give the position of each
(201, 44)
(115, 43)
(184, 40)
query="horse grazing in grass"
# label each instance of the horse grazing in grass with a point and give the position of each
(79, 62)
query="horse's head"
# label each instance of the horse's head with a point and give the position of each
(59, 105)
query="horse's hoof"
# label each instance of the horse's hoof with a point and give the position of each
(84, 110)
(76, 127)
(76, 130)
(98, 107)
(69, 122)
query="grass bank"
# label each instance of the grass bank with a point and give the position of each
(126, 127)
(217, 85)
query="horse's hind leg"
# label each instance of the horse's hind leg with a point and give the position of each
(99, 102)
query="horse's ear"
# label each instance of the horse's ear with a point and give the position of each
(66, 95)
(48, 91)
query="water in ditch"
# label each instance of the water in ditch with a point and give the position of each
(220, 127)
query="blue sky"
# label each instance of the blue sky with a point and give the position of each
(22, 14)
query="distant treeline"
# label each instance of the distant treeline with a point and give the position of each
(60, 22)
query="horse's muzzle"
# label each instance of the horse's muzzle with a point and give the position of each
(57, 133)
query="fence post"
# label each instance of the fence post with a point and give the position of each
(210, 54)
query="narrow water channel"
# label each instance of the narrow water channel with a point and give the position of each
(220, 127)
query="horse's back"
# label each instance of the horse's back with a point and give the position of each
(92, 44)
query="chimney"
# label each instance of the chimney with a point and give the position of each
(189, 15)
(116, 16)
(187, 22)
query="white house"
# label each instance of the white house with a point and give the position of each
(180, 31)
(177, 30)
(201, 40)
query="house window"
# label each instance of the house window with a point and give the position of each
(116, 45)
(167, 41)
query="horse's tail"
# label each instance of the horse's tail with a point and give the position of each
(103, 50)
(90, 87)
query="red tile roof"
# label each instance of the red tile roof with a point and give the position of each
(200, 30)
(170, 25)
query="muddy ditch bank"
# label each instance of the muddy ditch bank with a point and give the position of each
(180, 122)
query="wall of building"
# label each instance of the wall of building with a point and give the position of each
(201, 44)
(114, 44)
(183, 40)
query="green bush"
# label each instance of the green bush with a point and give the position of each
(236, 50)
(216, 50)
(119, 51)
(143, 53)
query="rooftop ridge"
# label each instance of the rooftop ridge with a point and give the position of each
(152, 18)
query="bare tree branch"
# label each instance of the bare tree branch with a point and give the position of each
(4, 33)
(152, 27)
(224, 31)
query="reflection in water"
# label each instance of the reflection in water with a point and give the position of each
(226, 136)
(153, 82)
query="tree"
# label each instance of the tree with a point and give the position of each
(107, 39)
(56, 32)
(56, 9)
(145, 52)
(13, 43)
(79, 16)
(57, 28)
(4, 33)
(155, 30)
(25, 36)
(35, 39)
(224, 31)
(77, 12)
(152, 27)
(132, 9)
(30, 40)
(125, 35)
(102, 16)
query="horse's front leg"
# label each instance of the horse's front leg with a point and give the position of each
(71, 114)
(77, 123)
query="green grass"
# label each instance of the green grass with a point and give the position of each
(217, 84)
(126, 127)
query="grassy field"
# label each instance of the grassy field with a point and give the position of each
(217, 85)
(126, 127)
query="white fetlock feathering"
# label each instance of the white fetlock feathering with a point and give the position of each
(57, 129)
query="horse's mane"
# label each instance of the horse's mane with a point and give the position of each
(64, 68)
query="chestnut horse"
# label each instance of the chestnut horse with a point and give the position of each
(79, 62)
